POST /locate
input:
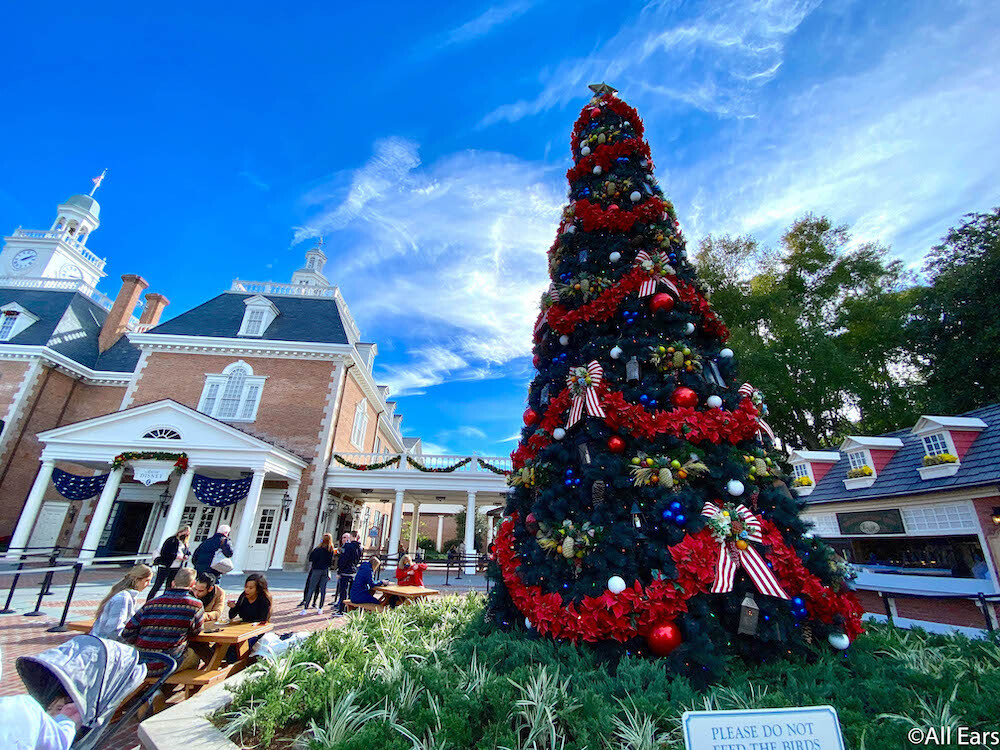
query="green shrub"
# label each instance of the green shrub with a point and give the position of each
(425, 543)
(435, 675)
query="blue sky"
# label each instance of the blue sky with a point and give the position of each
(429, 141)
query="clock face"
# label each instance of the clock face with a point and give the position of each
(23, 260)
(69, 271)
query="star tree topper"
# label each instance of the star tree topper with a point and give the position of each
(602, 88)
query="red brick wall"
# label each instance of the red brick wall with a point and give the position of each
(11, 376)
(345, 424)
(961, 612)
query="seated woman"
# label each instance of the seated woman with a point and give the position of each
(117, 608)
(409, 573)
(364, 580)
(254, 604)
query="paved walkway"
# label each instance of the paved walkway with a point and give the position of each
(23, 636)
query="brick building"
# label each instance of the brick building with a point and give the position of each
(917, 511)
(258, 390)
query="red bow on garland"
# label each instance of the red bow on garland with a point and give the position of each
(583, 383)
(653, 267)
(745, 528)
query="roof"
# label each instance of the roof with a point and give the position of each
(980, 466)
(820, 456)
(878, 443)
(314, 319)
(69, 323)
(928, 423)
(86, 202)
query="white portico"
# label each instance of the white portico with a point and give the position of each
(470, 484)
(147, 498)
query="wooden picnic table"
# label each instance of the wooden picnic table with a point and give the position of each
(220, 637)
(408, 593)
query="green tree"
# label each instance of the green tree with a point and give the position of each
(821, 328)
(480, 530)
(954, 329)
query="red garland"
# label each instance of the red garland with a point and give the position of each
(714, 425)
(636, 610)
(613, 104)
(605, 155)
(615, 219)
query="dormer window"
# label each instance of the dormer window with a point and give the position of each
(867, 457)
(858, 460)
(935, 445)
(260, 313)
(945, 442)
(13, 319)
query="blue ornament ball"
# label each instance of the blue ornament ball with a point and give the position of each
(667, 514)
(675, 506)
(679, 519)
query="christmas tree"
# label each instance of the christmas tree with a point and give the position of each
(648, 511)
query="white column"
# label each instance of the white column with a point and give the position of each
(470, 529)
(177, 503)
(101, 511)
(281, 543)
(415, 528)
(437, 544)
(397, 522)
(247, 518)
(30, 510)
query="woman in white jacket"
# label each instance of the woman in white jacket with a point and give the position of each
(119, 605)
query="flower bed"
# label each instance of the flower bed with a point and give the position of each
(435, 675)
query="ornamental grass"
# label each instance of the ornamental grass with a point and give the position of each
(435, 675)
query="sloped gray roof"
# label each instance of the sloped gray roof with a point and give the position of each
(980, 466)
(69, 323)
(314, 319)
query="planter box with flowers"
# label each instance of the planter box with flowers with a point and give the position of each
(859, 478)
(803, 486)
(941, 465)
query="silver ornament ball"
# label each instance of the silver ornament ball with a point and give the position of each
(726, 353)
(558, 433)
(636, 196)
(689, 329)
(714, 402)
(564, 339)
(616, 584)
(615, 256)
(839, 641)
(616, 352)
(735, 487)
(585, 151)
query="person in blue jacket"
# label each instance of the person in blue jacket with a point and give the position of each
(203, 556)
(364, 579)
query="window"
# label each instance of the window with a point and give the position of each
(360, 425)
(378, 444)
(187, 517)
(206, 524)
(233, 395)
(259, 314)
(7, 325)
(857, 459)
(162, 433)
(952, 517)
(800, 470)
(934, 445)
(265, 525)
(255, 318)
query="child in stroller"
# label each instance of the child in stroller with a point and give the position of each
(87, 678)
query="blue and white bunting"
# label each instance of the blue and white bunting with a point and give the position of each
(72, 487)
(220, 492)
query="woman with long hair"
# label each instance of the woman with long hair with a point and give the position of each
(321, 560)
(364, 580)
(173, 554)
(117, 608)
(408, 573)
(254, 604)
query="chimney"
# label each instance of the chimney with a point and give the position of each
(153, 310)
(116, 323)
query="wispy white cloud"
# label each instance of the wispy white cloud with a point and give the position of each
(254, 180)
(452, 254)
(484, 23)
(512, 439)
(713, 61)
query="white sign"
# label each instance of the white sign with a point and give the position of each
(151, 476)
(808, 728)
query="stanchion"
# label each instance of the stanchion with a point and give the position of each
(985, 607)
(447, 572)
(47, 583)
(13, 585)
(61, 627)
(37, 612)
(888, 608)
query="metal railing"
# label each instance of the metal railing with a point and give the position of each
(982, 599)
(52, 556)
(65, 236)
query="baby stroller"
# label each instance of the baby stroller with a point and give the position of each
(97, 675)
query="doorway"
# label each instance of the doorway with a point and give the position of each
(127, 528)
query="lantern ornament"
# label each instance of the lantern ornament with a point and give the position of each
(749, 615)
(632, 370)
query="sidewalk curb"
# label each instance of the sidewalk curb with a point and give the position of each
(186, 725)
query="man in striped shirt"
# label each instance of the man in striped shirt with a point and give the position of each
(164, 624)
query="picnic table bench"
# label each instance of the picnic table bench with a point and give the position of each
(220, 637)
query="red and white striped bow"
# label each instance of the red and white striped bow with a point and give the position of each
(731, 557)
(746, 391)
(549, 298)
(648, 287)
(583, 383)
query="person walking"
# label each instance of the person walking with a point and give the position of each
(214, 554)
(117, 608)
(174, 553)
(321, 560)
(347, 566)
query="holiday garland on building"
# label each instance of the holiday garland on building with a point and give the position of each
(648, 512)
(437, 470)
(366, 467)
(180, 459)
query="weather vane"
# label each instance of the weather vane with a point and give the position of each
(97, 181)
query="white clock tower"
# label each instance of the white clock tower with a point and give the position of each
(311, 274)
(60, 252)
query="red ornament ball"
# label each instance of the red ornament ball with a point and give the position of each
(664, 638)
(684, 397)
(536, 360)
(531, 524)
(616, 444)
(661, 301)
(530, 416)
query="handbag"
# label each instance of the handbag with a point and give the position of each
(221, 563)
